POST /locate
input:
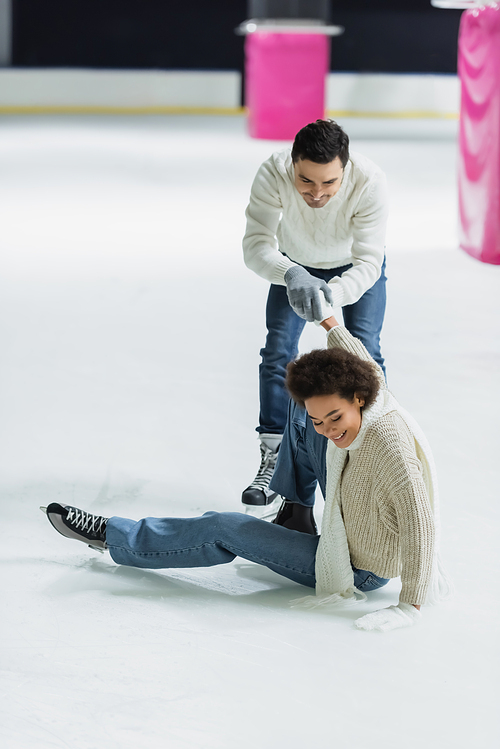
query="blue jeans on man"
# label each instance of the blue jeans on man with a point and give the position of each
(301, 463)
(363, 319)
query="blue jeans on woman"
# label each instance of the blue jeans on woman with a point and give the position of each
(218, 538)
(363, 319)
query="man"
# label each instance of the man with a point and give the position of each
(315, 226)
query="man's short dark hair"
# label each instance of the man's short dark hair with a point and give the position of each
(332, 371)
(321, 141)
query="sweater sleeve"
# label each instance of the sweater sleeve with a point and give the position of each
(407, 495)
(339, 337)
(260, 245)
(368, 247)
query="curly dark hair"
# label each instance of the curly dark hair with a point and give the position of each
(321, 141)
(332, 371)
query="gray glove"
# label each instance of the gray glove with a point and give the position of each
(304, 293)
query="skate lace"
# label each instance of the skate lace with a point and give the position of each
(85, 521)
(265, 473)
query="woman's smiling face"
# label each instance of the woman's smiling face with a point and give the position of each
(335, 418)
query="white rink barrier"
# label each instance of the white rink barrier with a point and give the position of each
(39, 91)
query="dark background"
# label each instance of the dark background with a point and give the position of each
(381, 35)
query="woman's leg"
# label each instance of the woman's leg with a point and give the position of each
(214, 538)
(366, 581)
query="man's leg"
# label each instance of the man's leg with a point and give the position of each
(301, 460)
(284, 329)
(365, 318)
(302, 457)
(300, 466)
(214, 538)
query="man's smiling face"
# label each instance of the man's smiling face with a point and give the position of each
(317, 183)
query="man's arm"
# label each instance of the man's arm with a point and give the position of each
(260, 246)
(261, 253)
(368, 248)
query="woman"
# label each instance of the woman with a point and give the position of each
(381, 500)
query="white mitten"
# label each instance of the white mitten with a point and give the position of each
(402, 615)
(326, 310)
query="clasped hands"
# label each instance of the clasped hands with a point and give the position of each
(307, 294)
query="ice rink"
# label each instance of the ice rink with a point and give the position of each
(130, 336)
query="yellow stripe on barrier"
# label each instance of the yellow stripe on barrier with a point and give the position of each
(403, 115)
(226, 111)
(120, 110)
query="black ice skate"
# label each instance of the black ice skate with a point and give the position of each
(78, 524)
(258, 497)
(296, 517)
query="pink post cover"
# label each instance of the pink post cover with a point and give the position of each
(285, 82)
(479, 137)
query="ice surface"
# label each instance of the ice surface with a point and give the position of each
(130, 332)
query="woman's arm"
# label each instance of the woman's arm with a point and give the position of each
(403, 504)
(329, 323)
(410, 505)
(416, 534)
(339, 337)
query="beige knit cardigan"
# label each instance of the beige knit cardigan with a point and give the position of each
(381, 509)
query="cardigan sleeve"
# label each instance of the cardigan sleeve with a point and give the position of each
(416, 532)
(339, 337)
(260, 245)
(404, 506)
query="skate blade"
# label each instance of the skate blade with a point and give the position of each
(264, 512)
(43, 509)
(96, 548)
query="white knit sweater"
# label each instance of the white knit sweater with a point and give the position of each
(282, 230)
(381, 509)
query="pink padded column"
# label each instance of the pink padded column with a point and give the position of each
(479, 159)
(284, 82)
